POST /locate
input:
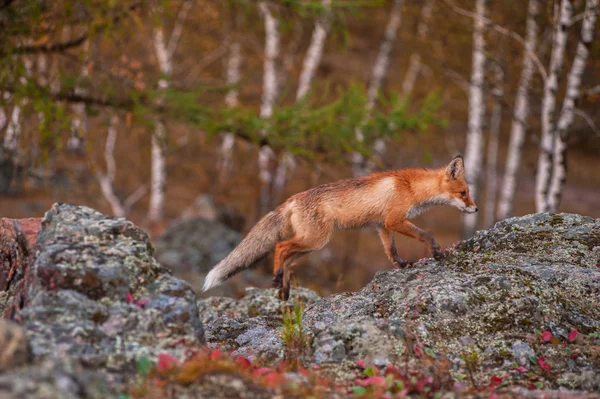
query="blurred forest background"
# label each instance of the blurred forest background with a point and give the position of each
(161, 111)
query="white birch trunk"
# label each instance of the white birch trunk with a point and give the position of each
(107, 180)
(544, 168)
(158, 179)
(12, 136)
(474, 148)
(269, 95)
(313, 56)
(231, 100)
(312, 59)
(415, 59)
(377, 75)
(492, 155)
(518, 126)
(79, 122)
(559, 175)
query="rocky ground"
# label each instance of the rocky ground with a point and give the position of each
(89, 313)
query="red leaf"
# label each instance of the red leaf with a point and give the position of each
(574, 355)
(214, 355)
(166, 361)
(129, 297)
(261, 371)
(546, 336)
(360, 363)
(418, 350)
(244, 362)
(542, 363)
(375, 380)
(521, 369)
(495, 380)
(573, 334)
(142, 302)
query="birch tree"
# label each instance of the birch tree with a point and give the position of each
(266, 156)
(79, 122)
(107, 180)
(544, 167)
(474, 148)
(377, 75)
(234, 60)
(492, 155)
(518, 126)
(559, 162)
(164, 54)
(312, 60)
(414, 65)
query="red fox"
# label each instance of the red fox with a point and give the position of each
(384, 201)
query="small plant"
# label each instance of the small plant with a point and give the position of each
(293, 335)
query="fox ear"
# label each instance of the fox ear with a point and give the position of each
(456, 168)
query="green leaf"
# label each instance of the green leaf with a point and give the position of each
(143, 365)
(370, 372)
(430, 352)
(359, 391)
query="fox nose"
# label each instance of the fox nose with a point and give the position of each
(476, 209)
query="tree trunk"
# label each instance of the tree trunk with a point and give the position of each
(269, 95)
(107, 180)
(519, 123)
(559, 175)
(474, 149)
(158, 179)
(544, 169)
(79, 123)
(415, 59)
(312, 59)
(492, 156)
(377, 75)
(231, 100)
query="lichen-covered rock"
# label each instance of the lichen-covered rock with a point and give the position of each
(489, 297)
(250, 326)
(99, 296)
(14, 346)
(17, 243)
(56, 380)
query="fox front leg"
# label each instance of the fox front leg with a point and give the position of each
(410, 230)
(390, 249)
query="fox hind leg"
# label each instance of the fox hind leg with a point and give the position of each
(289, 252)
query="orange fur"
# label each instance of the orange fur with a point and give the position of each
(384, 201)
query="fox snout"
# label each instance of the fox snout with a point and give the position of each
(471, 209)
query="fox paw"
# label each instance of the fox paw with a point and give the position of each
(284, 293)
(278, 280)
(438, 255)
(402, 264)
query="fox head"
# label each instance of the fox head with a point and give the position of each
(455, 188)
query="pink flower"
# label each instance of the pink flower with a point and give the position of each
(542, 363)
(166, 361)
(375, 380)
(546, 336)
(573, 334)
(360, 363)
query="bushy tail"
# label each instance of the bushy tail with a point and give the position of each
(260, 240)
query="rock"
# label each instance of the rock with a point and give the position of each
(14, 346)
(530, 273)
(17, 243)
(191, 247)
(250, 326)
(99, 296)
(56, 380)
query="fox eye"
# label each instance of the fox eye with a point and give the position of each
(463, 193)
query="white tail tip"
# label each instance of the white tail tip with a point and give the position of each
(212, 280)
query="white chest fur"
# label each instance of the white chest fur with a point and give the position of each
(424, 206)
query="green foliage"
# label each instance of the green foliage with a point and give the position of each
(143, 365)
(293, 335)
